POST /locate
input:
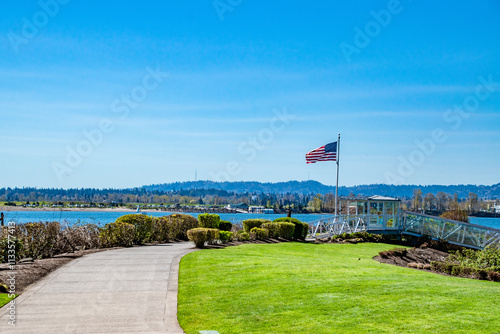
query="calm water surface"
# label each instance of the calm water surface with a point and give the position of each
(104, 217)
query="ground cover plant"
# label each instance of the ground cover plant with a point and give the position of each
(478, 264)
(326, 288)
(4, 298)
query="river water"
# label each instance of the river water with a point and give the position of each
(104, 217)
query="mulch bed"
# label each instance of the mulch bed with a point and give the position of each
(423, 255)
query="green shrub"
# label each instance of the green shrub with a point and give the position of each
(117, 234)
(442, 267)
(242, 236)
(301, 229)
(257, 233)
(162, 230)
(251, 223)
(225, 236)
(457, 270)
(272, 229)
(225, 225)
(208, 220)
(173, 227)
(201, 235)
(280, 230)
(10, 251)
(285, 230)
(142, 224)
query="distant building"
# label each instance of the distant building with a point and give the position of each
(497, 208)
(241, 206)
(260, 209)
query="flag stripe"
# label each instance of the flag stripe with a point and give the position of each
(323, 153)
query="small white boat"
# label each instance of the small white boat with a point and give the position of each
(138, 211)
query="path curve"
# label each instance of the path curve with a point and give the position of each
(129, 290)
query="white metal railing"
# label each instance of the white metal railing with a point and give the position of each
(330, 226)
(455, 232)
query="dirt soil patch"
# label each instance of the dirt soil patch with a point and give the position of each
(422, 255)
(28, 272)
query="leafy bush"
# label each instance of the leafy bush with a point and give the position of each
(202, 235)
(251, 223)
(301, 229)
(242, 236)
(10, 251)
(173, 227)
(208, 220)
(257, 233)
(272, 229)
(457, 270)
(361, 236)
(162, 230)
(117, 234)
(285, 230)
(142, 224)
(225, 225)
(225, 236)
(280, 230)
(488, 259)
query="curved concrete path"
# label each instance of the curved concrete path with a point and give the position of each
(130, 290)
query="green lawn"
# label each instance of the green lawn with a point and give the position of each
(308, 288)
(4, 299)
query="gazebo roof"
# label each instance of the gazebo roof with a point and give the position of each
(373, 198)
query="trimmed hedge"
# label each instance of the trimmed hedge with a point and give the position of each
(251, 223)
(257, 233)
(242, 236)
(272, 229)
(201, 235)
(225, 225)
(280, 230)
(301, 229)
(117, 234)
(142, 224)
(208, 220)
(225, 236)
(180, 224)
(286, 230)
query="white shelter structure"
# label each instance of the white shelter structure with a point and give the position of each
(382, 213)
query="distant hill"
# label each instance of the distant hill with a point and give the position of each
(314, 187)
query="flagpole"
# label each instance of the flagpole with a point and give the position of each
(337, 186)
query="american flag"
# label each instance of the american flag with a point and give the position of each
(323, 153)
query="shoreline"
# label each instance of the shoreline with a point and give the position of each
(20, 208)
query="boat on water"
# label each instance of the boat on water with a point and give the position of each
(138, 211)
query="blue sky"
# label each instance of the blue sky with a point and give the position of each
(413, 87)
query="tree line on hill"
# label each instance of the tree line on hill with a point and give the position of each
(421, 199)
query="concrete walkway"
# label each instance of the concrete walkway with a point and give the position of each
(131, 290)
